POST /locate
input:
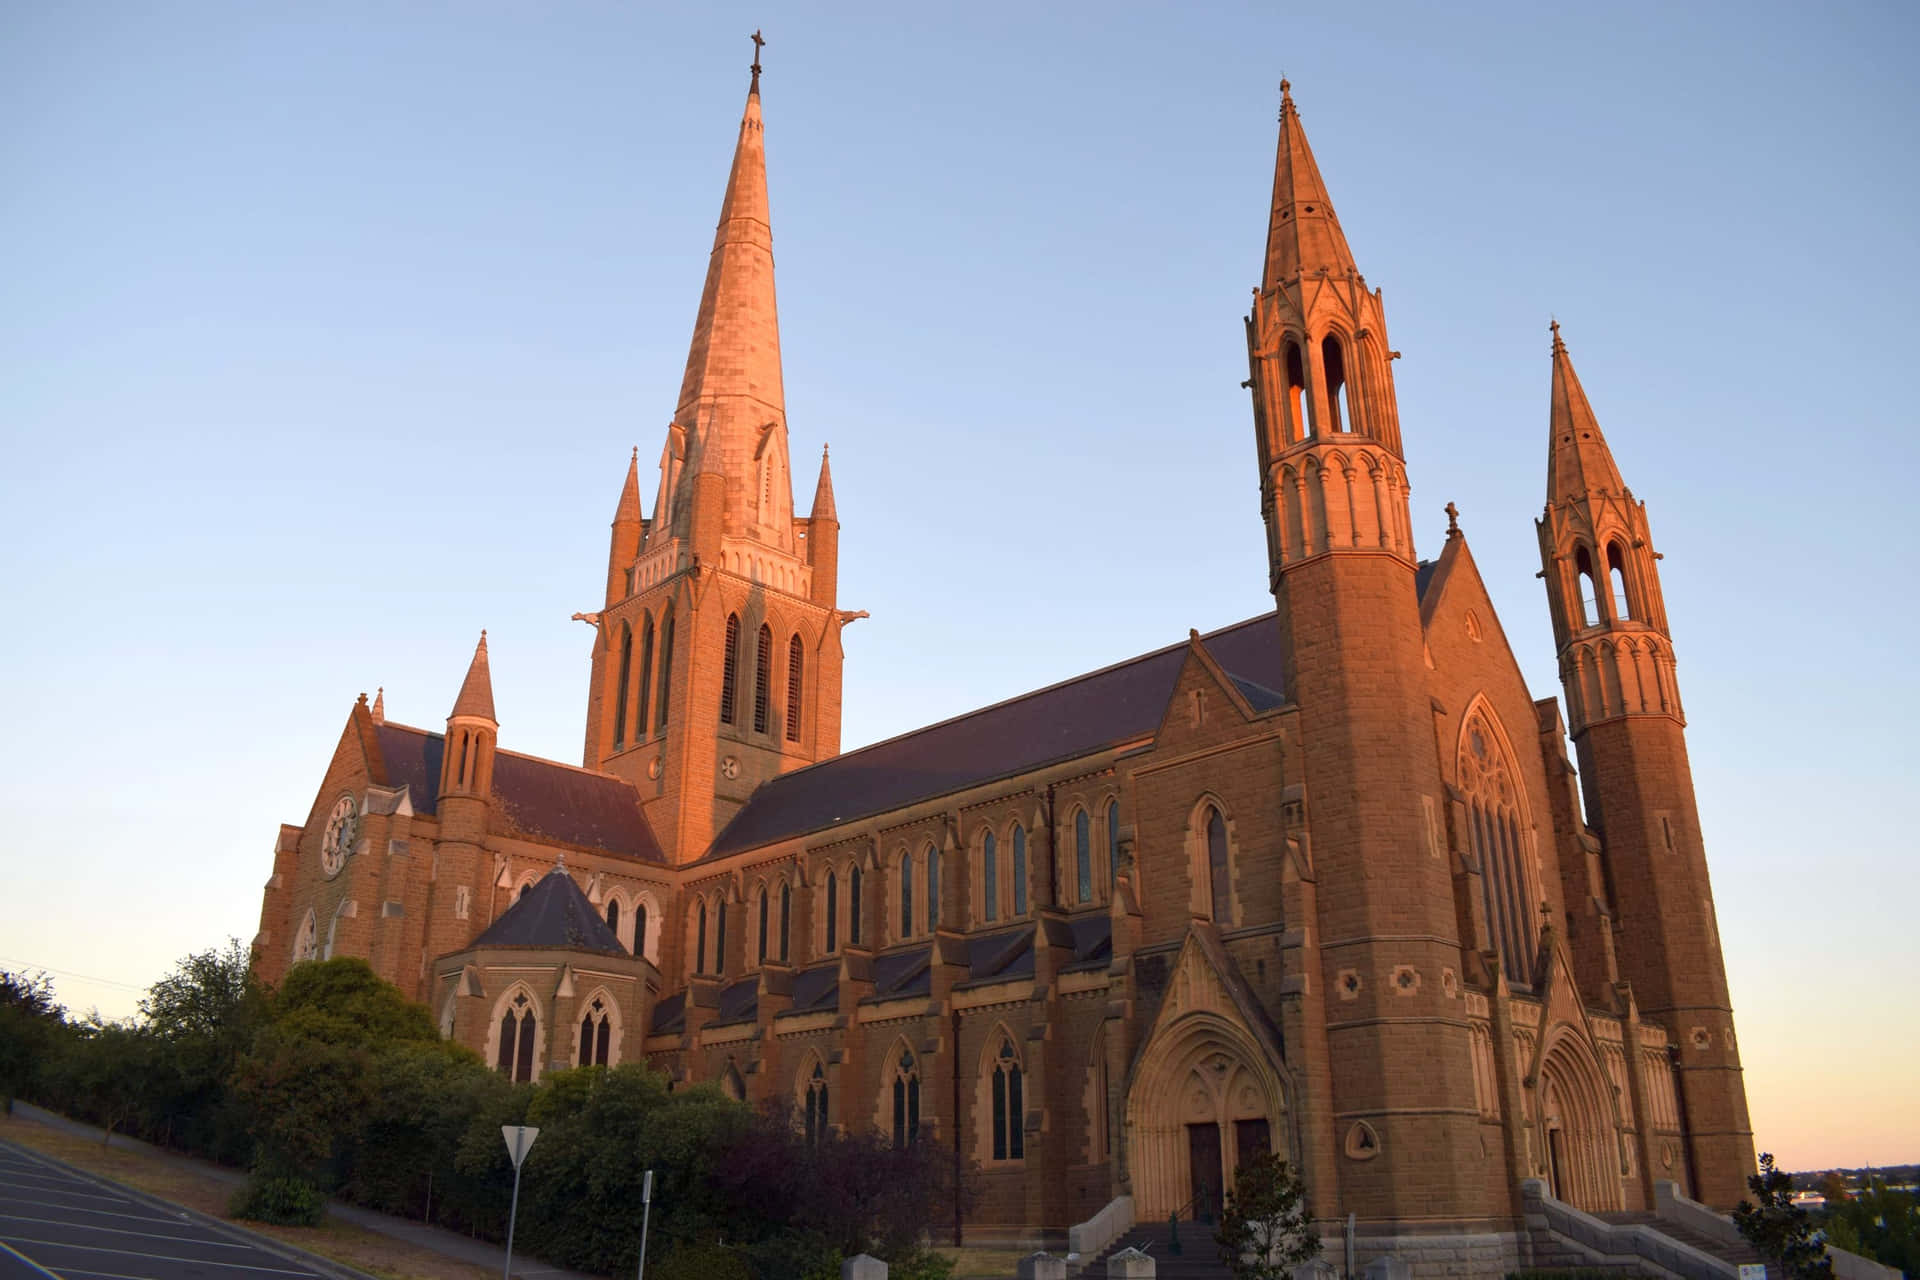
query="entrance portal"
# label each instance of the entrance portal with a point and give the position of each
(1203, 1098)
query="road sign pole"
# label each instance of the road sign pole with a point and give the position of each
(646, 1213)
(512, 1214)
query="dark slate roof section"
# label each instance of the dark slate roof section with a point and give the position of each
(817, 988)
(552, 913)
(1258, 696)
(904, 973)
(739, 1002)
(1092, 939)
(987, 957)
(542, 799)
(1061, 722)
(1423, 577)
(670, 1015)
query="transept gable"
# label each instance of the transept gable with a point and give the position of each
(357, 762)
(1205, 982)
(1201, 690)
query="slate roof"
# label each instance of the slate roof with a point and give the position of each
(552, 913)
(1060, 722)
(669, 1014)
(739, 1002)
(538, 798)
(817, 988)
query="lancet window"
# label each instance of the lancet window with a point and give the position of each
(626, 672)
(760, 952)
(786, 919)
(933, 888)
(796, 658)
(646, 678)
(1083, 855)
(906, 1099)
(833, 912)
(1009, 1105)
(666, 670)
(762, 678)
(1219, 868)
(519, 1031)
(730, 669)
(1019, 870)
(1113, 844)
(989, 878)
(1500, 839)
(816, 1105)
(853, 905)
(596, 1035)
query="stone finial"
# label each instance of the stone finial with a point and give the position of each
(1131, 1264)
(863, 1267)
(1042, 1266)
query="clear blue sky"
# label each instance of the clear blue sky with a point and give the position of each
(328, 330)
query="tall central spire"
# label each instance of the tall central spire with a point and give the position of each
(1303, 234)
(732, 403)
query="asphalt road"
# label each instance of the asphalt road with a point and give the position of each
(55, 1224)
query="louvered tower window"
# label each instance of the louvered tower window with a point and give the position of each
(730, 669)
(762, 677)
(794, 660)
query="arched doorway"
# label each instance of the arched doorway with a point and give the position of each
(1579, 1138)
(1203, 1099)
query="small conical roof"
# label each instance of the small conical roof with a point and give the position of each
(1578, 460)
(380, 705)
(823, 492)
(476, 691)
(628, 512)
(1303, 233)
(552, 913)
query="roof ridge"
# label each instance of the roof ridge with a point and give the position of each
(503, 751)
(1016, 698)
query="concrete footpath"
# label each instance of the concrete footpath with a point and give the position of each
(441, 1241)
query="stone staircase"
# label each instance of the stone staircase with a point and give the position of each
(1736, 1252)
(1199, 1259)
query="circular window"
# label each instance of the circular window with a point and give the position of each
(343, 826)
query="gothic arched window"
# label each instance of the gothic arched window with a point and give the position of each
(700, 938)
(1297, 395)
(1083, 854)
(640, 929)
(1333, 361)
(1019, 870)
(596, 1035)
(666, 669)
(762, 677)
(1219, 872)
(989, 878)
(833, 913)
(613, 915)
(1113, 843)
(795, 660)
(786, 918)
(761, 951)
(1497, 836)
(730, 669)
(1009, 1105)
(933, 888)
(906, 894)
(1587, 588)
(906, 1100)
(853, 906)
(626, 672)
(646, 678)
(1617, 579)
(519, 1029)
(816, 1105)
(719, 935)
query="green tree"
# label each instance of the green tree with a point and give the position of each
(1266, 1230)
(30, 1023)
(206, 1014)
(108, 1070)
(1778, 1228)
(1879, 1223)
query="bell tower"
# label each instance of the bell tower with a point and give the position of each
(1342, 569)
(717, 657)
(1628, 728)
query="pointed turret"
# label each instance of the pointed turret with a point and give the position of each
(476, 691)
(1303, 233)
(823, 539)
(823, 492)
(1578, 460)
(379, 712)
(629, 531)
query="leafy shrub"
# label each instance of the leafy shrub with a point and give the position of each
(1577, 1273)
(284, 1202)
(922, 1264)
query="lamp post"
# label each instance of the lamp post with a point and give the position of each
(646, 1212)
(519, 1141)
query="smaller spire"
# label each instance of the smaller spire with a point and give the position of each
(379, 705)
(476, 691)
(1578, 460)
(823, 491)
(628, 512)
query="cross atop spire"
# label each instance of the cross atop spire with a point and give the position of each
(757, 44)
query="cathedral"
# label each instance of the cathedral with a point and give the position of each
(1324, 882)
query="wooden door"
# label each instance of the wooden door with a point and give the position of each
(1203, 1158)
(1250, 1138)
